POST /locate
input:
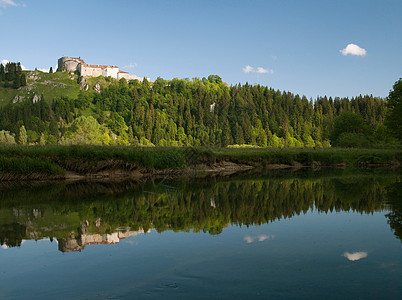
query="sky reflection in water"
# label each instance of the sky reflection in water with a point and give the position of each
(278, 237)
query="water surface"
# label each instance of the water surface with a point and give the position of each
(334, 234)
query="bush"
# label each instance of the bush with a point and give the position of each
(352, 140)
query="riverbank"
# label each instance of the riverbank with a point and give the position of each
(76, 162)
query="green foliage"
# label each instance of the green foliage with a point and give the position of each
(117, 124)
(42, 139)
(85, 131)
(12, 76)
(22, 137)
(190, 113)
(352, 140)
(33, 136)
(28, 165)
(52, 85)
(350, 130)
(28, 160)
(394, 116)
(6, 138)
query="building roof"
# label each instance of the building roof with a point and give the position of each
(99, 66)
(77, 58)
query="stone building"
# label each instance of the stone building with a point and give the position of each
(79, 243)
(73, 64)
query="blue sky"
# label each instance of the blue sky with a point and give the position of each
(287, 45)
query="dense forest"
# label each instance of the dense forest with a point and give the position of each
(198, 112)
(12, 76)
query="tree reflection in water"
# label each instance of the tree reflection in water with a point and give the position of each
(82, 213)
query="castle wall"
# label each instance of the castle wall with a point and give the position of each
(95, 71)
(128, 77)
(73, 64)
(90, 72)
(111, 72)
(68, 64)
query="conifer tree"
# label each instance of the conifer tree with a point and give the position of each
(2, 73)
(394, 117)
(23, 136)
(42, 140)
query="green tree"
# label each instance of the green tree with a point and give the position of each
(349, 127)
(6, 138)
(84, 130)
(33, 136)
(2, 73)
(51, 70)
(394, 117)
(23, 136)
(42, 140)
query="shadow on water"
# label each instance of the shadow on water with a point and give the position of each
(82, 213)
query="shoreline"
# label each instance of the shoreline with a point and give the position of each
(221, 169)
(99, 162)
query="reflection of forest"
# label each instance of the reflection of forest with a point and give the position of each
(78, 214)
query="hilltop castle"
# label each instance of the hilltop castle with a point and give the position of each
(73, 64)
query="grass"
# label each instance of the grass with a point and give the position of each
(29, 166)
(52, 86)
(327, 156)
(56, 160)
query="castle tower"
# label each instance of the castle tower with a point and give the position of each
(69, 64)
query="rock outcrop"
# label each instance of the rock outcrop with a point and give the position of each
(35, 99)
(18, 99)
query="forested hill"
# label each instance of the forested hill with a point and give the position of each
(190, 112)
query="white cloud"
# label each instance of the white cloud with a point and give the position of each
(355, 255)
(353, 49)
(6, 61)
(130, 65)
(45, 70)
(260, 70)
(5, 3)
(248, 69)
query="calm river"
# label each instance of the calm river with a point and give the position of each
(285, 235)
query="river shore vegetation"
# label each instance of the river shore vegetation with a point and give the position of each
(46, 162)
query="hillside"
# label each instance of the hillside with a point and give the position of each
(50, 85)
(39, 83)
(180, 112)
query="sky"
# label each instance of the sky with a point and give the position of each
(312, 48)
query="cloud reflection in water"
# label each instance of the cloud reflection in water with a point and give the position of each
(260, 238)
(355, 255)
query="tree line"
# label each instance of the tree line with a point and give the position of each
(198, 112)
(11, 75)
